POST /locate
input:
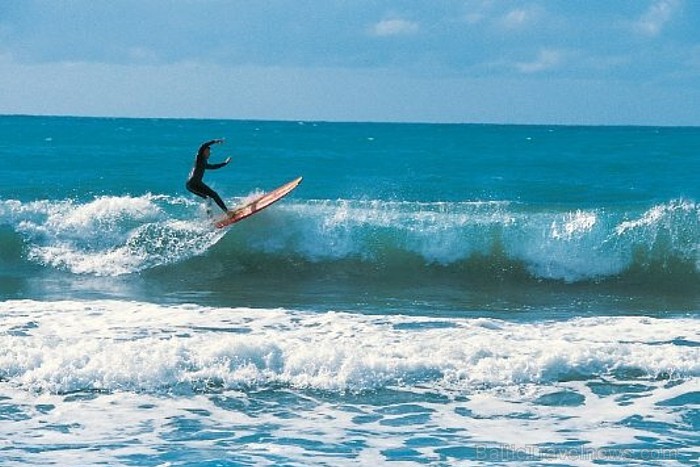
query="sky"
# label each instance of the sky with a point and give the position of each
(597, 62)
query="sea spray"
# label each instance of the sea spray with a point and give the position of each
(64, 347)
(122, 235)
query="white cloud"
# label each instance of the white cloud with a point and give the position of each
(519, 18)
(653, 21)
(191, 90)
(547, 59)
(394, 27)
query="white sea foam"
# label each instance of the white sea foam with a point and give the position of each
(562, 245)
(670, 227)
(447, 390)
(104, 213)
(119, 235)
(661, 216)
(441, 233)
(110, 235)
(574, 224)
(567, 246)
(105, 345)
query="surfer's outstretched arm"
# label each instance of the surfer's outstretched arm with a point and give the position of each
(219, 165)
(213, 141)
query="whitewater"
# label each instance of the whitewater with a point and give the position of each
(110, 236)
(432, 294)
(138, 383)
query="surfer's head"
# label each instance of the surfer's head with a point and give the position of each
(205, 149)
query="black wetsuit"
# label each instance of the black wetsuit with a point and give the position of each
(194, 182)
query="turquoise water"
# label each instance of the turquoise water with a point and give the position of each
(430, 294)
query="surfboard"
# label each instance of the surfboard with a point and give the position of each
(257, 204)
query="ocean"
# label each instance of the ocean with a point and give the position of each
(429, 295)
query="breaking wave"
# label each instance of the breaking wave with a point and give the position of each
(111, 236)
(66, 346)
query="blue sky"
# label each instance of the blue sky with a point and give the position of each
(481, 61)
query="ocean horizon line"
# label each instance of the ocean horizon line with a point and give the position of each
(356, 122)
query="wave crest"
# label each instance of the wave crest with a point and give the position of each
(120, 235)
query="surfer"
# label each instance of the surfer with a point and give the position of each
(201, 163)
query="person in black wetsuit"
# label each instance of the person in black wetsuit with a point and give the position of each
(201, 163)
